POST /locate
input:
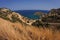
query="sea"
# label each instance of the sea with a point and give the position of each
(30, 13)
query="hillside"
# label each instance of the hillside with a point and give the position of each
(12, 16)
(14, 27)
(53, 16)
(18, 31)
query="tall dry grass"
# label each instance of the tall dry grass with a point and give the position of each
(18, 31)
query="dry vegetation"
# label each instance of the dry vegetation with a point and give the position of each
(18, 31)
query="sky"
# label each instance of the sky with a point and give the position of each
(30, 4)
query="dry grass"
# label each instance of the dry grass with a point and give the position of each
(17, 31)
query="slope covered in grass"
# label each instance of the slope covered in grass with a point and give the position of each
(18, 31)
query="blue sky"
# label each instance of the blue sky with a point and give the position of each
(30, 4)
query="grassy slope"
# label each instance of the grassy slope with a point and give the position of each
(17, 31)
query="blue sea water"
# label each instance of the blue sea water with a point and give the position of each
(30, 13)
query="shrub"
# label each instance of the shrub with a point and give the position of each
(37, 23)
(46, 24)
(14, 19)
